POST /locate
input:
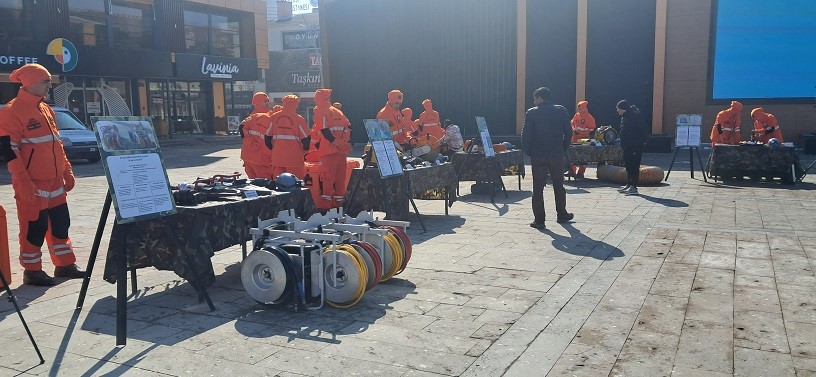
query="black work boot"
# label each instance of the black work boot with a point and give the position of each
(70, 272)
(39, 278)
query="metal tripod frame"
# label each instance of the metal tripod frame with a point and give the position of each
(13, 301)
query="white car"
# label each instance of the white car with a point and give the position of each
(79, 141)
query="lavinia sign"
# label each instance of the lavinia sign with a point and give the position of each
(218, 70)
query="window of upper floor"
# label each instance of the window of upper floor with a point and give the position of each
(212, 34)
(113, 23)
(16, 20)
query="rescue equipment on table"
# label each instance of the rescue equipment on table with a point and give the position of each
(330, 258)
(606, 135)
(230, 187)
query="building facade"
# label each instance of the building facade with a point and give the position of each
(487, 58)
(186, 64)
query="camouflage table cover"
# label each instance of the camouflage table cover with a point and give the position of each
(202, 230)
(472, 167)
(755, 161)
(387, 195)
(588, 154)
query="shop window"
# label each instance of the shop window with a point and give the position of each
(212, 34)
(87, 25)
(16, 19)
(131, 24)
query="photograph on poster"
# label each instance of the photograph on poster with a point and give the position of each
(126, 135)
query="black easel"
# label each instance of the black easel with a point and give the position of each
(691, 161)
(13, 301)
(121, 272)
(493, 172)
(403, 182)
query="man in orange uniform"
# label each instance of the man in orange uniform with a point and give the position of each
(256, 155)
(288, 138)
(766, 127)
(391, 113)
(583, 124)
(429, 122)
(41, 176)
(333, 145)
(726, 128)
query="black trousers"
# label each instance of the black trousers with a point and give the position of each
(553, 167)
(631, 159)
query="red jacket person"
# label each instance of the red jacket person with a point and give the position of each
(254, 152)
(766, 127)
(332, 145)
(726, 128)
(288, 137)
(41, 177)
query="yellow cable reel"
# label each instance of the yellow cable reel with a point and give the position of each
(397, 253)
(345, 285)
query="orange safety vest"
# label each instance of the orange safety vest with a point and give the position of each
(329, 117)
(582, 126)
(34, 137)
(730, 121)
(287, 128)
(767, 122)
(253, 148)
(395, 123)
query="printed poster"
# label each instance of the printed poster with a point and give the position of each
(379, 135)
(133, 164)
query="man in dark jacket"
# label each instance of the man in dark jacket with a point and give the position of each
(546, 137)
(633, 136)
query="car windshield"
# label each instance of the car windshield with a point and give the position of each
(67, 121)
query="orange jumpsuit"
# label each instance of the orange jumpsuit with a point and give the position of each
(289, 133)
(408, 123)
(766, 127)
(254, 152)
(429, 121)
(41, 177)
(583, 124)
(726, 128)
(333, 141)
(391, 113)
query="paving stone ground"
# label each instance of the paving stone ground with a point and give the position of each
(690, 278)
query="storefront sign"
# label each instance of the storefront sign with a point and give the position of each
(294, 70)
(192, 66)
(301, 39)
(90, 61)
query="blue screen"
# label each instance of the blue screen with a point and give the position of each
(765, 49)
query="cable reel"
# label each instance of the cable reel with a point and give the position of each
(268, 275)
(405, 242)
(345, 275)
(392, 248)
(373, 262)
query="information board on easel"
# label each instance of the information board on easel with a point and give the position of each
(688, 132)
(384, 148)
(484, 134)
(133, 165)
(687, 136)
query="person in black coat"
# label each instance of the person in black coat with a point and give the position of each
(633, 136)
(546, 137)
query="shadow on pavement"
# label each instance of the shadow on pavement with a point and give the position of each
(666, 202)
(578, 243)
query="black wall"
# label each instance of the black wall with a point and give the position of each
(459, 53)
(620, 57)
(551, 50)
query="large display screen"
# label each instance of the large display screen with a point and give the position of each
(764, 50)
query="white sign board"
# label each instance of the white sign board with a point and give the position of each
(688, 131)
(384, 148)
(133, 165)
(93, 107)
(484, 134)
(233, 122)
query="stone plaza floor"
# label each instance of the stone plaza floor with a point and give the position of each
(687, 279)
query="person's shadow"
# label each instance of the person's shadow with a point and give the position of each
(578, 243)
